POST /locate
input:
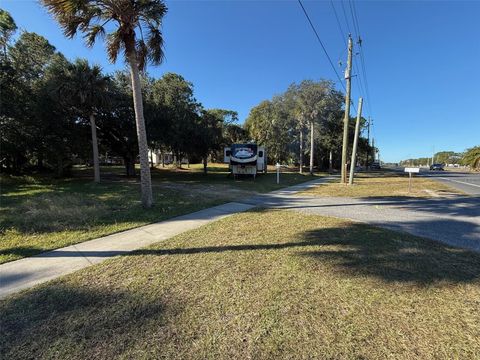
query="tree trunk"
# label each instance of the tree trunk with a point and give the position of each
(60, 166)
(40, 161)
(145, 178)
(151, 159)
(205, 165)
(129, 165)
(311, 148)
(96, 163)
(330, 165)
(300, 157)
(163, 159)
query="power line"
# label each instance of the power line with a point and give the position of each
(361, 70)
(356, 29)
(354, 20)
(355, 65)
(323, 47)
(353, 10)
(345, 15)
(321, 43)
(338, 23)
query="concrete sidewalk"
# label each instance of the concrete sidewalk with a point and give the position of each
(27, 272)
(454, 221)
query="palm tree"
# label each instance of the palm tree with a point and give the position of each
(7, 28)
(137, 33)
(471, 157)
(292, 97)
(85, 89)
(315, 101)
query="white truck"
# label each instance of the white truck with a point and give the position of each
(245, 159)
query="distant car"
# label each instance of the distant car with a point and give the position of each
(436, 167)
(375, 166)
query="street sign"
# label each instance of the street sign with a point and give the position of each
(411, 170)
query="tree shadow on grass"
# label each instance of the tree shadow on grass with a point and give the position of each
(468, 206)
(64, 321)
(356, 249)
(362, 250)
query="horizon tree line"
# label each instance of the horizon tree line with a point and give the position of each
(52, 107)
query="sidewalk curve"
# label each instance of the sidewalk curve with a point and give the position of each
(24, 273)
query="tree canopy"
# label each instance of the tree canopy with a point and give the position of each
(471, 157)
(47, 101)
(281, 124)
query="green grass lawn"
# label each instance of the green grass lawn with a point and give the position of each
(384, 184)
(262, 285)
(39, 214)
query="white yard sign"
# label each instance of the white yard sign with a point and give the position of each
(411, 170)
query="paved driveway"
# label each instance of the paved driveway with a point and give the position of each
(454, 220)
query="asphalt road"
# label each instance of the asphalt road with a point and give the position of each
(453, 220)
(469, 183)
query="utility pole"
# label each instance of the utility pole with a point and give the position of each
(311, 147)
(346, 119)
(355, 142)
(300, 157)
(373, 147)
(368, 142)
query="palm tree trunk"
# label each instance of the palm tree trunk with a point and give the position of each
(96, 163)
(129, 162)
(205, 165)
(330, 159)
(59, 165)
(145, 179)
(40, 161)
(311, 148)
(300, 157)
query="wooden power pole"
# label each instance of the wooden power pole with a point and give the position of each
(346, 119)
(368, 142)
(355, 142)
(373, 147)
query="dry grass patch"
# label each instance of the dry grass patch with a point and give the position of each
(41, 217)
(384, 184)
(39, 214)
(261, 285)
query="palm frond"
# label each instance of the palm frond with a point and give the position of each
(114, 45)
(90, 16)
(152, 11)
(155, 46)
(92, 33)
(142, 54)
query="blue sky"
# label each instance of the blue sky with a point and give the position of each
(421, 60)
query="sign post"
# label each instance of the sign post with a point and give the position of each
(278, 172)
(410, 171)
